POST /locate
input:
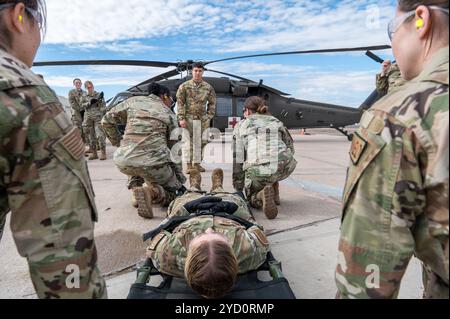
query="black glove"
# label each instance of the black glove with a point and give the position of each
(94, 101)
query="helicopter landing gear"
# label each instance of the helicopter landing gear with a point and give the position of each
(346, 133)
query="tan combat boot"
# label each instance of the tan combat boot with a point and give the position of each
(217, 179)
(268, 203)
(199, 168)
(157, 192)
(195, 180)
(144, 200)
(93, 155)
(103, 154)
(133, 199)
(276, 196)
(189, 169)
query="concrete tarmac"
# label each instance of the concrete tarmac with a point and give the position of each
(304, 237)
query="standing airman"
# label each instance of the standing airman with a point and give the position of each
(196, 105)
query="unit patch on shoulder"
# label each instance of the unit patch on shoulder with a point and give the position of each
(155, 242)
(358, 147)
(260, 235)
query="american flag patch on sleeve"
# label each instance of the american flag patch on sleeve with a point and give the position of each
(73, 143)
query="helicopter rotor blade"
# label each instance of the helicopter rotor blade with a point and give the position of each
(371, 48)
(231, 75)
(158, 64)
(160, 77)
(374, 57)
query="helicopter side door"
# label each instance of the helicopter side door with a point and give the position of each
(224, 112)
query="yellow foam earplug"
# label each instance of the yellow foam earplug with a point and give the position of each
(419, 23)
(20, 18)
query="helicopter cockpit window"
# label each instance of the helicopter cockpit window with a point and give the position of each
(240, 105)
(224, 106)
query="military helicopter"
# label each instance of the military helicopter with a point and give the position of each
(232, 91)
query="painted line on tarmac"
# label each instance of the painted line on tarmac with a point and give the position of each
(323, 189)
(327, 190)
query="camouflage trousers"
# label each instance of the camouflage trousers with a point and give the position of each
(194, 148)
(65, 267)
(77, 120)
(92, 127)
(169, 177)
(258, 177)
(435, 287)
(389, 256)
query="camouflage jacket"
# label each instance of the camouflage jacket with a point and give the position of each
(43, 173)
(260, 140)
(169, 250)
(194, 101)
(391, 80)
(149, 124)
(396, 194)
(98, 108)
(75, 99)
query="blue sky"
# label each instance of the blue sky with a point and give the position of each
(173, 30)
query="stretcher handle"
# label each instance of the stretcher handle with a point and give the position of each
(144, 272)
(274, 267)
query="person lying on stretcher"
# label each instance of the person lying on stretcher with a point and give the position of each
(208, 239)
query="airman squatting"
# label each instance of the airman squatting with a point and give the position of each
(263, 156)
(144, 152)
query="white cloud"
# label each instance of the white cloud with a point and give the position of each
(128, 47)
(232, 26)
(224, 28)
(78, 21)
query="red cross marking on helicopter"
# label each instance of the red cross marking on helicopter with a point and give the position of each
(234, 122)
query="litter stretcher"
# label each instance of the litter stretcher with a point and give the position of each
(248, 286)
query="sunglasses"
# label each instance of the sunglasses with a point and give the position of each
(37, 16)
(395, 23)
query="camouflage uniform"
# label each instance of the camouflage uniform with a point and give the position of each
(75, 99)
(396, 195)
(391, 80)
(264, 154)
(169, 250)
(92, 120)
(192, 100)
(145, 150)
(45, 183)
